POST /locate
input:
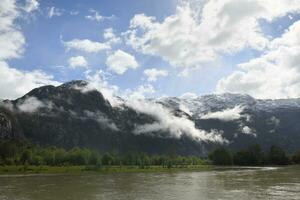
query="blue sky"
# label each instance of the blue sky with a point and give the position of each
(195, 46)
(45, 51)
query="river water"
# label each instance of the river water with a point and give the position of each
(223, 183)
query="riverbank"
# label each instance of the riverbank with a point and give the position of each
(21, 169)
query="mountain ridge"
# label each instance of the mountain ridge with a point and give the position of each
(73, 114)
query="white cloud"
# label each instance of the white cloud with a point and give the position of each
(274, 121)
(31, 5)
(101, 119)
(32, 104)
(52, 12)
(248, 131)
(167, 122)
(139, 93)
(153, 73)
(86, 45)
(185, 109)
(95, 16)
(98, 81)
(198, 35)
(74, 12)
(120, 61)
(226, 115)
(275, 74)
(109, 35)
(13, 82)
(78, 61)
(10, 36)
(189, 95)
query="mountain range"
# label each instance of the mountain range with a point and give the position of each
(76, 114)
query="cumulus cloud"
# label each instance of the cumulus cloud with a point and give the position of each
(139, 93)
(10, 36)
(153, 73)
(77, 61)
(230, 114)
(120, 61)
(86, 45)
(32, 104)
(198, 35)
(110, 36)
(167, 122)
(13, 82)
(52, 12)
(275, 74)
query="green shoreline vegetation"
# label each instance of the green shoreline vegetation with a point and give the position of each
(45, 169)
(23, 157)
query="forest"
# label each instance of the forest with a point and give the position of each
(20, 152)
(16, 152)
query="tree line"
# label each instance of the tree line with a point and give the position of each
(16, 152)
(253, 156)
(20, 152)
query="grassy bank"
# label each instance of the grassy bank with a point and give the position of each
(90, 169)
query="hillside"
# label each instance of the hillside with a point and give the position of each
(73, 114)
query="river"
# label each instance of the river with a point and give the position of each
(223, 183)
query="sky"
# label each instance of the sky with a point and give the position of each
(151, 48)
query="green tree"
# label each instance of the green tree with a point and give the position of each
(253, 156)
(37, 160)
(77, 156)
(107, 159)
(60, 156)
(221, 156)
(277, 156)
(8, 151)
(48, 156)
(94, 158)
(296, 157)
(26, 157)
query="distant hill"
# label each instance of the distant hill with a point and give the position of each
(73, 114)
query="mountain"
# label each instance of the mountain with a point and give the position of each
(244, 120)
(75, 114)
(72, 115)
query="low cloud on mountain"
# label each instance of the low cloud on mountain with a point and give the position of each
(229, 114)
(167, 122)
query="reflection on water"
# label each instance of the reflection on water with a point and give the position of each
(256, 183)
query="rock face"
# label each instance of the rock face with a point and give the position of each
(73, 114)
(5, 127)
